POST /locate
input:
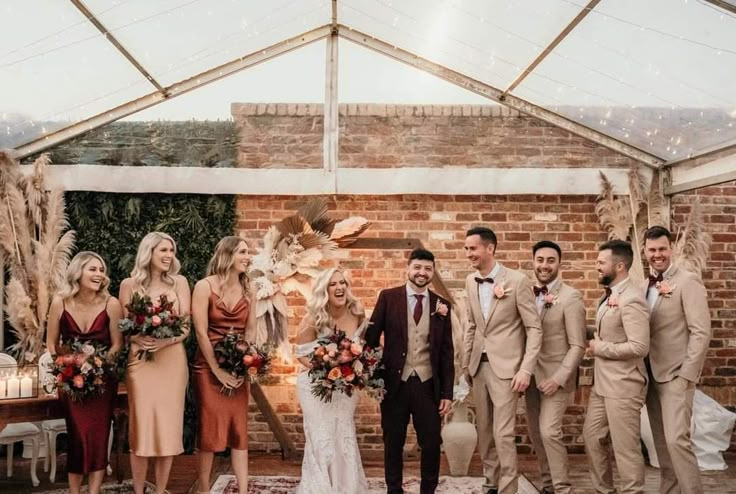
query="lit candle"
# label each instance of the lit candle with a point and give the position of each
(26, 387)
(3, 387)
(13, 387)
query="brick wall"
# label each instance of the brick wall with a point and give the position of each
(384, 136)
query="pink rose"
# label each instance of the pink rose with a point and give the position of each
(356, 349)
(612, 301)
(665, 289)
(334, 374)
(78, 381)
(155, 321)
(499, 291)
(440, 309)
(549, 300)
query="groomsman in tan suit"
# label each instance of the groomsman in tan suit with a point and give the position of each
(562, 314)
(619, 345)
(680, 338)
(501, 346)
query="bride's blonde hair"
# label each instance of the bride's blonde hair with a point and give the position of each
(317, 308)
(141, 274)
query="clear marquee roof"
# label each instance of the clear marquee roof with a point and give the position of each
(658, 75)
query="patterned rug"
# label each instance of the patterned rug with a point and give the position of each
(226, 484)
(109, 488)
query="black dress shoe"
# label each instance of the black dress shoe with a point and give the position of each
(492, 490)
(548, 490)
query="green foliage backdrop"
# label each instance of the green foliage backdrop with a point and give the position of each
(113, 224)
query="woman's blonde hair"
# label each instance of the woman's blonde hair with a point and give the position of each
(70, 286)
(223, 258)
(141, 274)
(317, 312)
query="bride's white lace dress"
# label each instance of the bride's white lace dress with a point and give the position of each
(331, 456)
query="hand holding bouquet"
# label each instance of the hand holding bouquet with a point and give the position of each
(342, 364)
(156, 320)
(241, 359)
(81, 369)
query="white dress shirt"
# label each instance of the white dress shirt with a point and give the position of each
(485, 290)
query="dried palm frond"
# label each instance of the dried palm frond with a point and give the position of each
(293, 225)
(318, 240)
(613, 213)
(656, 203)
(691, 248)
(314, 211)
(348, 230)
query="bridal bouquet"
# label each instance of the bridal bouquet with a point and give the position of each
(80, 369)
(240, 358)
(157, 320)
(339, 363)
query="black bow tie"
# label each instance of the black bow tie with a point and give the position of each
(480, 281)
(653, 280)
(540, 289)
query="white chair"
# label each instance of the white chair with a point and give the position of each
(13, 433)
(52, 428)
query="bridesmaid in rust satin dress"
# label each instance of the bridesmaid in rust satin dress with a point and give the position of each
(84, 310)
(221, 304)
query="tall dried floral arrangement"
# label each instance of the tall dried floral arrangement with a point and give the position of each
(626, 217)
(36, 246)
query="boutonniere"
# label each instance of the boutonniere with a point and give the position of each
(440, 309)
(665, 289)
(550, 299)
(499, 291)
(612, 301)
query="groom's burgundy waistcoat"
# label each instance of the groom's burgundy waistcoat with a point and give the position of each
(390, 319)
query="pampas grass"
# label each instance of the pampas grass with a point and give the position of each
(36, 249)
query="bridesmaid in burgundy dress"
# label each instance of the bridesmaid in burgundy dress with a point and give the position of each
(84, 309)
(221, 304)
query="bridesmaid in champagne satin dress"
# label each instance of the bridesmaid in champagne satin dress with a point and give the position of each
(220, 305)
(156, 388)
(84, 310)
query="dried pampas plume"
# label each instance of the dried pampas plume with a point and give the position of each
(36, 248)
(692, 247)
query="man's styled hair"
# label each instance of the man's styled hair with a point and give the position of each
(486, 235)
(421, 255)
(655, 232)
(547, 244)
(621, 251)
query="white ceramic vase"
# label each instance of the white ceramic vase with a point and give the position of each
(459, 439)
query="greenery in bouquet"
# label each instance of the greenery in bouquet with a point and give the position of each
(154, 319)
(342, 364)
(81, 369)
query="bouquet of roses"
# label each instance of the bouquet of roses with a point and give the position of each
(158, 320)
(240, 358)
(339, 363)
(81, 369)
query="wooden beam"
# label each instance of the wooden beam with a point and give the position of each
(492, 93)
(713, 152)
(117, 44)
(288, 449)
(315, 181)
(724, 4)
(548, 49)
(714, 172)
(331, 115)
(172, 91)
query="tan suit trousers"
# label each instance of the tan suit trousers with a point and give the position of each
(670, 407)
(495, 404)
(615, 421)
(544, 415)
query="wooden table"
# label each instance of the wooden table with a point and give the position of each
(48, 407)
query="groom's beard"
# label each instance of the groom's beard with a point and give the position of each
(420, 281)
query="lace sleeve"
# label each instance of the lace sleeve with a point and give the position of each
(305, 349)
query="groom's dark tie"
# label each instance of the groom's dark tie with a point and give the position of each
(418, 308)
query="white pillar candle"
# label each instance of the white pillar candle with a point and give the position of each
(26, 387)
(13, 386)
(3, 387)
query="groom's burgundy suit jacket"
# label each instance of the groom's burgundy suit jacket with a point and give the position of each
(390, 319)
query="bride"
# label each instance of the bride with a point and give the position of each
(331, 457)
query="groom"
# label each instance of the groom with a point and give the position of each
(419, 373)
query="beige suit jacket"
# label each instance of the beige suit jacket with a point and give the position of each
(680, 328)
(623, 342)
(563, 337)
(512, 335)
